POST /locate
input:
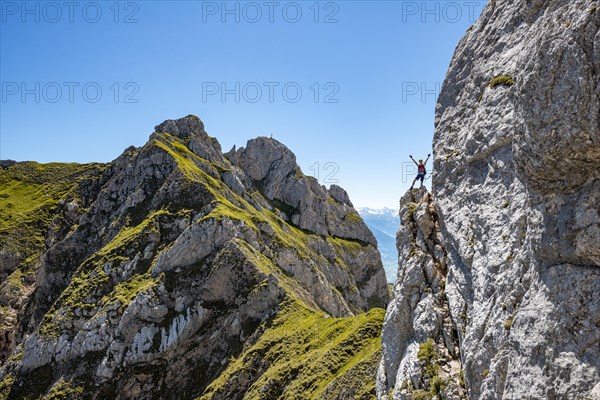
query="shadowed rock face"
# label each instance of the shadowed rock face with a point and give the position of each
(174, 259)
(517, 192)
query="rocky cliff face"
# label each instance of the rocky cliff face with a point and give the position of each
(178, 271)
(517, 194)
(421, 355)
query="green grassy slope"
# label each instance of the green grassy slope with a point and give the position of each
(302, 354)
(29, 197)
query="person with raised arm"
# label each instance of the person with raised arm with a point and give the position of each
(421, 172)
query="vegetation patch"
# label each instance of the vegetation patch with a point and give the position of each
(452, 154)
(427, 351)
(344, 246)
(413, 252)
(30, 195)
(6, 384)
(428, 354)
(501, 80)
(352, 217)
(14, 281)
(411, 208)
(188, 162)
(30, 190)
(126, 292)
(63, 390)
(420, 395)
(437, 385)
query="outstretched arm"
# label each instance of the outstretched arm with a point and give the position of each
(428, 155)
(413, 160)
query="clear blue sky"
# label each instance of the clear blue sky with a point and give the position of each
(373, 57)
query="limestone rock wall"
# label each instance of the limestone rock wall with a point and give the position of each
(517, 192)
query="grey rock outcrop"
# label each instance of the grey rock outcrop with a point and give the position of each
(420, 343)
(516, 187)
(273, 170)
(6, 163)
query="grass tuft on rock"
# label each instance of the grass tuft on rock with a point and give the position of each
(411, 208)
(352, 217)
(501, 80)
(427, 351)
(64, 390)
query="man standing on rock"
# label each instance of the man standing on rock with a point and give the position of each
(421, 170)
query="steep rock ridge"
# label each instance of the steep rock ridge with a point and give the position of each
(174, 260)
(272, 168)
(420, 344)
(517, 189)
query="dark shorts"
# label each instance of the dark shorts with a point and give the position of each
(421, 176)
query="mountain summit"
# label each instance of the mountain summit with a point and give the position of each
(179, 271)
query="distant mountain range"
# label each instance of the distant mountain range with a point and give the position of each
(384, 223)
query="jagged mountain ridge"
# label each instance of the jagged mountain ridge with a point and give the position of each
(516, 194)
(173, 245)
